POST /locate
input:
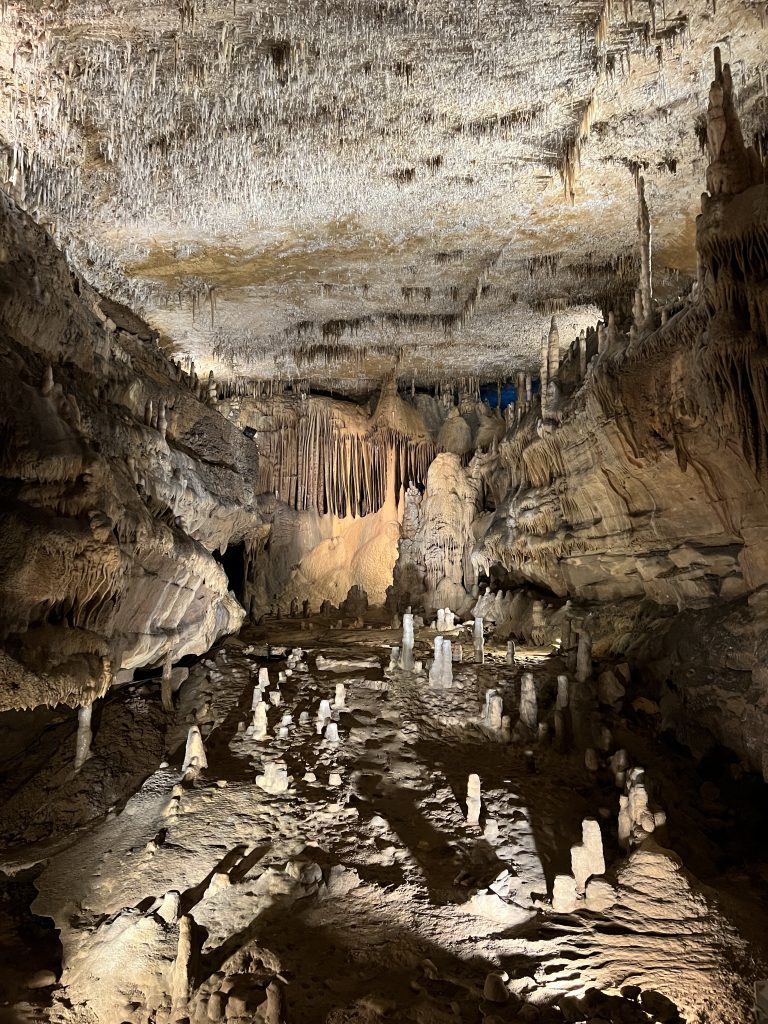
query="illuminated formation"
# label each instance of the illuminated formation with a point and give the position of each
(384, 472)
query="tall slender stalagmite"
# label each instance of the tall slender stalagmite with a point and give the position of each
(544, 373)
(84, 735)
(644, 233)
(553, 352)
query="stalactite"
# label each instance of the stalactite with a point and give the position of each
(315, 457)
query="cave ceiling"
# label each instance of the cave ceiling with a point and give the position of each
(329, 190)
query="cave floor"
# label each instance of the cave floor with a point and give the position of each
(371, 898)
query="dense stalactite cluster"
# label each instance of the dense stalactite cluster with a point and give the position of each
(326, 456)
(165, 133)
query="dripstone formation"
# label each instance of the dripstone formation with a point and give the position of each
(383, 513)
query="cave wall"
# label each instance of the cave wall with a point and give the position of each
(111, 506)
(643, 497)
(651, 481)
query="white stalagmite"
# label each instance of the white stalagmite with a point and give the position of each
(553, 353)
(258, 696)
(84, 735)
(602, 338)
(564, 896)
(441, 670)
(260, 729)
(194, 754)
(646, 276)
(340, 699)
(510, 656)
(636, 819)
(479, 641)
(474, 799)
(275, 779)
(166, 691)
(406, 654)
(529, 712)
(587, 858)
(494, 709)
(544, 379)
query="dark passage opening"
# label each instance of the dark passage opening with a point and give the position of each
(233, 564)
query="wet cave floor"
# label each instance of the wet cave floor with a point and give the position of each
(363, 889)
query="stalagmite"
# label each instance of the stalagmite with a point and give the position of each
(611, 333)
(584, 657)
(529, 712)
(544, 379)
(619, 763)
(603, 343)
(275, 778)
(46, 387)
(194, 754)
(406, 655)
(562, 693)
(162, 419)
(181, 982)
(258, 696)
(646, 279)
(260, 729)
(564, 895)
(493, 709)
(341, 696)
(474, 800)
(510, 655)
(84, 735)
(441, 670)
(478, 641)
(168, 909)
(587, 857)
(636, 820)
(445, 619)
(553, 353)
(274, 1012)
(166, 691)
(733, 167)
